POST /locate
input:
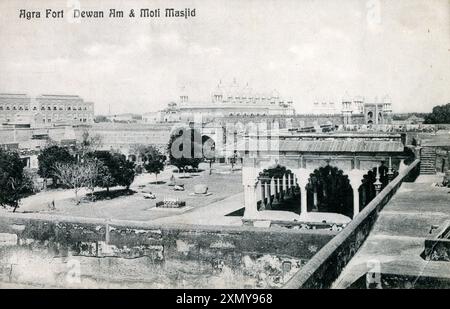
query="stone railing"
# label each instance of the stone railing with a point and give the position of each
(325, 267)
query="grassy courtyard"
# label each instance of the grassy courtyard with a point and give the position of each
(222, 184)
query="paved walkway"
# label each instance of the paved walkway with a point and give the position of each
(397, 239)
(212, 214)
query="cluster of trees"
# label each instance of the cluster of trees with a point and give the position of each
(86, 169)
(15, 182)
(185, 149)
(152, 159)
(440, 114)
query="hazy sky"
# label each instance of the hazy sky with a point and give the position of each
(307, 50)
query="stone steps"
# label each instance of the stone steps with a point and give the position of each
(428, 161)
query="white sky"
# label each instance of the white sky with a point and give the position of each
(308, 50)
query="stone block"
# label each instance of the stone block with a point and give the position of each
(200, 189)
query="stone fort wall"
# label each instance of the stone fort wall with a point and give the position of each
(138, 254)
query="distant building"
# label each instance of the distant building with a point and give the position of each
(20, 110)
(415, 120)
(324, 108)
(226, 101)
(360, 111)
(127, 117)
(170, 114)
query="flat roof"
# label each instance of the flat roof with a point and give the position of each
(398, 237)
(14, 95)
(332, 146)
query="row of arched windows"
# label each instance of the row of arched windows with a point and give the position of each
(13, 108)
(43, 108)
(247, 114)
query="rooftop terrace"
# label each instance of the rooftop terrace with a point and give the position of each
(418, 211)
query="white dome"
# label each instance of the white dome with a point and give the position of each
(275, 94)
(358, 98)
(346, 97)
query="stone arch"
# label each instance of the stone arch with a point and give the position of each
(367, 190)
(278, 189)
(208, 146)
(329, 190)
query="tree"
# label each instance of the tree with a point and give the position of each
(49, 157)
(14, 184)
(93, 170)
(185, 148)
(440, 114)
(116, 170)
(125, 173)
(89, 143)
(153, 160)
(105, 179)
(77, 175)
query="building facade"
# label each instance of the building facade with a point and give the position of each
(360, 111)
(296, 177)
(44, 110)
(170, 114)
(226, 101)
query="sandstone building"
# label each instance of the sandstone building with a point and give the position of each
(44, 110)
(226, 101)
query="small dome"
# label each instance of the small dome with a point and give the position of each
(346, 97)
(275, 94)
(247, 91)
(387, 99)
(233, 90)
(183, 91)
(358, 98)
(218, 90)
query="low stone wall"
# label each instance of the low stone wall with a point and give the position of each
(325, 267)
(127, 253)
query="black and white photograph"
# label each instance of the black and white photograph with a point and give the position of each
(253, 145)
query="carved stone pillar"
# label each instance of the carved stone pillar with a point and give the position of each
(315, 200)
(249, 181)
(273, 190)
(267, 194)
(251, 210)
(378, 183)
(302, 179)
(284, 187)
(262, 188)
(280, 193)
(303, 197)
(355, 177)
(390, 173)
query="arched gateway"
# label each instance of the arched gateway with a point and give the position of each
(312, 178)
